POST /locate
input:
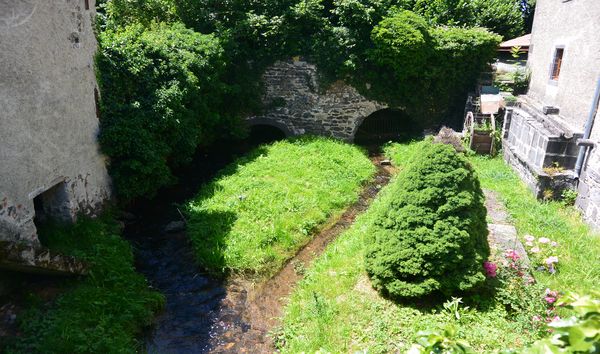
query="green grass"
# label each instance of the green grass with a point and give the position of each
(98, 313)
(579, 247)
(335, 309)
(267, 205)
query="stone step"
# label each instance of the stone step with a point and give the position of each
(25, 258)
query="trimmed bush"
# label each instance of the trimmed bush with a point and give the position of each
(433, 236)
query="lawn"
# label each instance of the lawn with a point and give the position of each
(102, 312)
(335, 309)
(578, 248)
(265, 206)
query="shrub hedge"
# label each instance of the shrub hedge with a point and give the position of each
(161, 97)
(433, 236)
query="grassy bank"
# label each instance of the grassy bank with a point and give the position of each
(265, 206)
(578, 247)
(335, 308)
(99, 313)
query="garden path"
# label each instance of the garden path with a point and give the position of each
(503, 235)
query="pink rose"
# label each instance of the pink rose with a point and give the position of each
(490, 269)
(550, 299)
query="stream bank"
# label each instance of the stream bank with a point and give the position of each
(206, 314)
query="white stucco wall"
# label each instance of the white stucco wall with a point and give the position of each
(574, 25)
(48, 120)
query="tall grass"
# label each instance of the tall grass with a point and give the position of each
(267, 205)
(101, 312)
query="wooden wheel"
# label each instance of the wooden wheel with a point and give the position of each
(469, 127)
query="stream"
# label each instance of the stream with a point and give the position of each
(205, 314)
(194, 319)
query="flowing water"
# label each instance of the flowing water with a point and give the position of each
(194, 319)
(202, 313)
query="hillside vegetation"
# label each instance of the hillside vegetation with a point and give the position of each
(178, 74)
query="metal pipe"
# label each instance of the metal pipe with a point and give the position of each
(586, 142)
(588, 129)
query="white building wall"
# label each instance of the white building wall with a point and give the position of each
(48, 119)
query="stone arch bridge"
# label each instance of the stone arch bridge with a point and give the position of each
(296, 106)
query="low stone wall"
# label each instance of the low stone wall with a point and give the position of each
(534, 142)
(588, 199)
(297, 106)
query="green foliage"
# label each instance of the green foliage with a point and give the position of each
(334, 309)
(121, 13)
(444, 342)
(267, 205)
(569, 196)
(161, 97)
(103, 311)
(433, 236)
(504, 17)
(425, 69)
(579, 333)
(389, 53)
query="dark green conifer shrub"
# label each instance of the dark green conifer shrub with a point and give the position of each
(433, 236)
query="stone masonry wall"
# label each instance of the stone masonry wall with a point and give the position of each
(48, 119)
(296, 105)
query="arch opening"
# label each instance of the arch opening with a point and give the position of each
(264, 133)
(386, 125)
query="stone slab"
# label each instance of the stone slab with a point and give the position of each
(38, 260)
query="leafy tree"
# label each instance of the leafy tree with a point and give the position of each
(162, 96)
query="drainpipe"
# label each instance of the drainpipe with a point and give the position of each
(588, 130)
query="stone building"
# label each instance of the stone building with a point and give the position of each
(50, 164)
(297, 105)
(544, 138)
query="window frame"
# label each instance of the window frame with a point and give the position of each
(556, 63)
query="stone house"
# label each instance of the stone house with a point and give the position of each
(550, 137)
(50, 164)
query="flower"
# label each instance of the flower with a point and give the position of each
(544, 240)
(536, 318)
(554, 244)
(535, 250)
(551, 260)
(550, 299)
(490, 269)
(529, 238)
(512, 254)
(529, 243)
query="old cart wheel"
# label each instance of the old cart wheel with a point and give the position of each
(469, 127)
